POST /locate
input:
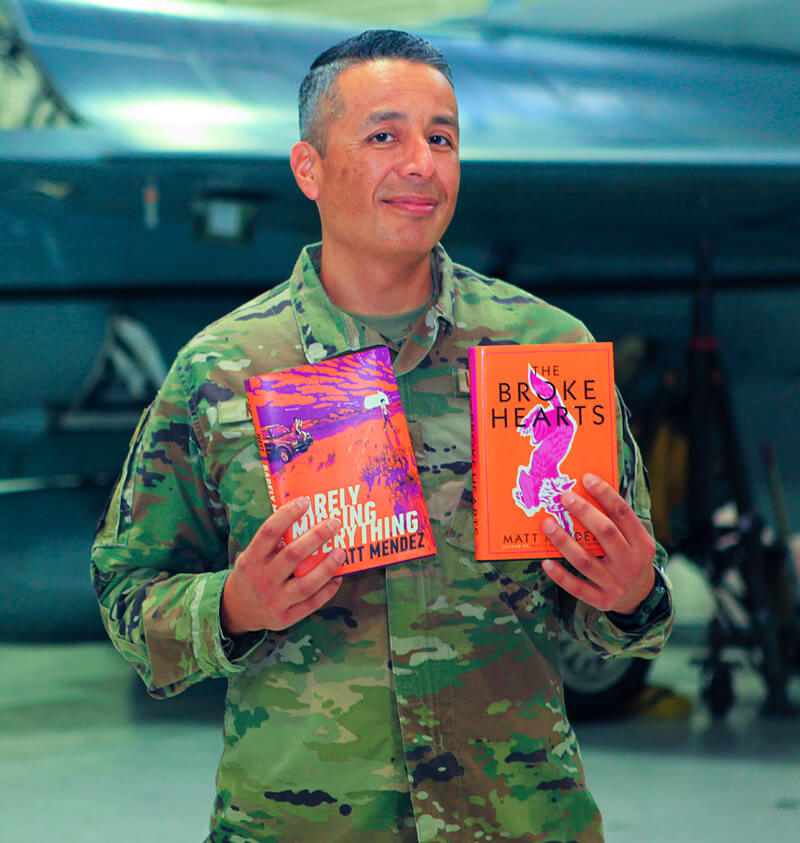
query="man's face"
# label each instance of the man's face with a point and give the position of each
(389, 179)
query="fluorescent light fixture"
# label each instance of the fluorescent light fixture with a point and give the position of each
(208, 11)
(195, 123)
(181, 112)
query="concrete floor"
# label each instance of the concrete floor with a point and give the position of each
(86, 756)
(694, 779)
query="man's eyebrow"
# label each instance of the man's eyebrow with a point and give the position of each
(446, 120)
(381, 116)
(387, 116)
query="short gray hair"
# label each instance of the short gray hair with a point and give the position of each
(318, 88)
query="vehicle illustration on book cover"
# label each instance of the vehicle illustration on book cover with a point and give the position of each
(335, 431)
(283, 443)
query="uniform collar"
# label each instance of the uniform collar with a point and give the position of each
(326, 331)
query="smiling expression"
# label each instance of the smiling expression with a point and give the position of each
(388, 183)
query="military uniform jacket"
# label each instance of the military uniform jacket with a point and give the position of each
(423, 703)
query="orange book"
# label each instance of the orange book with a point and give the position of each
(335, 432)
(542, 417)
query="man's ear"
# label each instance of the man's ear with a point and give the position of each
(303, 159)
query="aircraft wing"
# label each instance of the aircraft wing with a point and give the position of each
(583, 160)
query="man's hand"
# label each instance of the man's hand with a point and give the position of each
(260, 592)
(618, 581)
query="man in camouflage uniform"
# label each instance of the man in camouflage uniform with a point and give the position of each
(420, 702)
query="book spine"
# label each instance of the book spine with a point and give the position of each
(474, 362)
(268, 478)
(262, 451)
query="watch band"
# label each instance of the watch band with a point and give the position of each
(653, 608)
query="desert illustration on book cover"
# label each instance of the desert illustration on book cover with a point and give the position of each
(542, 417)
(335, 432)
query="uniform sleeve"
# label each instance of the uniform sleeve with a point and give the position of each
(159, 560)
(584, 622)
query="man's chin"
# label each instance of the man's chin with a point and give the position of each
(415, 240)
(410, 248)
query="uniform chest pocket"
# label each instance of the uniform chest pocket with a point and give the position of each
(233, 460)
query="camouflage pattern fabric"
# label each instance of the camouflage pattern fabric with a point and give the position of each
(424, 702)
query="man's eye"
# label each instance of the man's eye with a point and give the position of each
(439, 140)
(382, 137)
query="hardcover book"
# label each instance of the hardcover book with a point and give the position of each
(335, 432)
(542, 417)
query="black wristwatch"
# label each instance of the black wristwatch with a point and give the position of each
(653, 608)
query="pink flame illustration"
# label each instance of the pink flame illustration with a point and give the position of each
(551, 429)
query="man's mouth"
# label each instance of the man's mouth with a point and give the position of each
(412, 204)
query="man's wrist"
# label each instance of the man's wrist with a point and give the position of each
(654, 607)
(228, 625)
(235, 643)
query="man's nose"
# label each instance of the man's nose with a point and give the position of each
(418, 161)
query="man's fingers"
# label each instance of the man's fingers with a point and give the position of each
(622, 578)
(270, 533)
(298, 550)
(592, 567)
(268, 543)
(301, 588)
(296, 604)
(621, 514)
(595, 520)
(303, 609)
(588, 592)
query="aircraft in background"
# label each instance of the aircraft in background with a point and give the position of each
(583, 159)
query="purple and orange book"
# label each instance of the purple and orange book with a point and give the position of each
(335, 432)
(542, 417)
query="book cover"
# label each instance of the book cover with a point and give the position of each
(542, 417)
(335, 432)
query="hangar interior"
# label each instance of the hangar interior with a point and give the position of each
(638, 166)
